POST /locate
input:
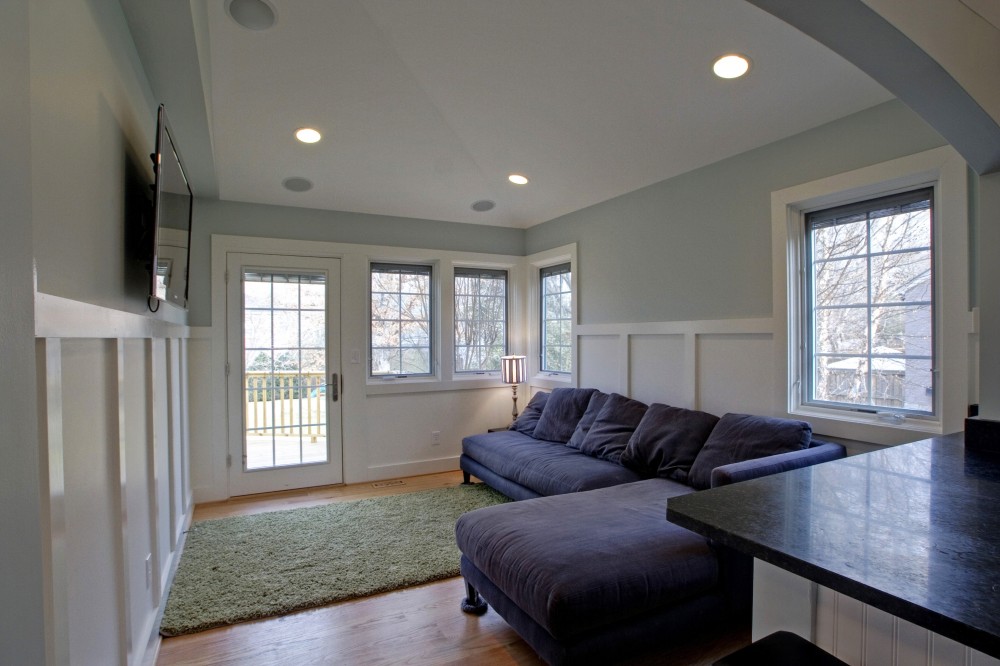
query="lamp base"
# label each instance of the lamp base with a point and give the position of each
(514, 397)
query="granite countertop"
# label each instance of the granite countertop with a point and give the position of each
(913, 530)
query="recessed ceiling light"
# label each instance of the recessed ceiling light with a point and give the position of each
(251, 14)
(517, 179)
(307, 135)
(483, 205)
(731, 66)
(297, 184)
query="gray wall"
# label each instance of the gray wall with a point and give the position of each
(243, 219)
(93, 127)
(698, 246)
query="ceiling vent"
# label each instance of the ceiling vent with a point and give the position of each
(297, 184)
(251, 14)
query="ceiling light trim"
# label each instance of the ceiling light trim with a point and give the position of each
(308, 135)
(732, 66)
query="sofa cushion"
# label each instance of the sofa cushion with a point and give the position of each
(613, 427)
(597, 401)
(739, 437)
(667, 441)
(547, 468)
(562, 413)
(561, 559)
(528, 419)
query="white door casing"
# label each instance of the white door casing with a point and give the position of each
(285, 427)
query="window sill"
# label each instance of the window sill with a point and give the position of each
(432, 384)
(865, 427)
(550, 380)
(476, 376)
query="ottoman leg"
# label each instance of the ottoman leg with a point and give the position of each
(473, 603)
(466, 478)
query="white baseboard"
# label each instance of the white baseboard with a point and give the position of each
(416, 468)
(152, 650)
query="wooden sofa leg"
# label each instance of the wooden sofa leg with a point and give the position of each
(466, 478)
(473, 604)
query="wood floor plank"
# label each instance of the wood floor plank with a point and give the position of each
(418, 626)
(296, 499)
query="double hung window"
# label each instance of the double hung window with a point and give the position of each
(401, 320)
(480, 319)
(869, 292)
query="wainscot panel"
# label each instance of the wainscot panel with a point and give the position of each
(601, 362)
(719, 366)
(657, 369)
(736, 373)
(113, 415)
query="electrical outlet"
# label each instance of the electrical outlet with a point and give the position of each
(435, 438)
(149, 571)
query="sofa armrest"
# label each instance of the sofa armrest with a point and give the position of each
(782, 462)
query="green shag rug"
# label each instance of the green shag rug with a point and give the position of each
(248, 567)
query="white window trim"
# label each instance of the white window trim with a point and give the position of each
(941, 168)
(536, 262)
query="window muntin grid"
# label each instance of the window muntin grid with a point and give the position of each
(401, 329)
(480, 319)
(870, 307)
(284, 347)
(556, 285)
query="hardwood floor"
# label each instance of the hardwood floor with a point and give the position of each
(420, 626)
(296, 499)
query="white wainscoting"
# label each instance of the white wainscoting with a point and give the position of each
(718, 366)
(113, 419)
(850, 630)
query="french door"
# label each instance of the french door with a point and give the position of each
(283, 337)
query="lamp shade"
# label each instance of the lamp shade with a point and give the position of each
(512, 369)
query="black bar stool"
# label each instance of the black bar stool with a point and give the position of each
(782, 648)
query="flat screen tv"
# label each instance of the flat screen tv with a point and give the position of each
(173, 205)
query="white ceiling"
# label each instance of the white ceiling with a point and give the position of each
(426, 106)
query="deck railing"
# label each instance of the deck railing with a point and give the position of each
(285, 404)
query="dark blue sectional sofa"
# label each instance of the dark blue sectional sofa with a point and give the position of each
(587, 569)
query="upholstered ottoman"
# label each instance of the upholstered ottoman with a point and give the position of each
(588, 577)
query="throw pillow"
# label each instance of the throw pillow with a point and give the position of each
(562, 412)
(667, 441)
(597, 401)
(739, 437)
(528, 418)
(613, 427)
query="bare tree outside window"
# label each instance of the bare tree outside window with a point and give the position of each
(400, 320)
(480, 319)
(871, 304)
(557, 319)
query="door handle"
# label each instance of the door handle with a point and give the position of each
(335, 387)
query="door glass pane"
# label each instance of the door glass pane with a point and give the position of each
(284, 342)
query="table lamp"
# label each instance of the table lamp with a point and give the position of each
(512, 372)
